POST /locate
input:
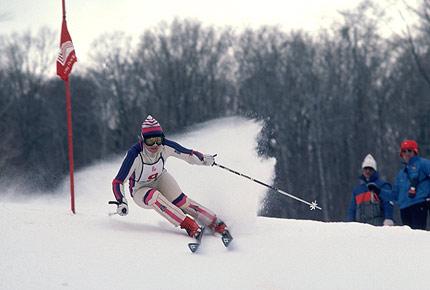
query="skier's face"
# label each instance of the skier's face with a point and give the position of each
(153, 144)
(154, 148)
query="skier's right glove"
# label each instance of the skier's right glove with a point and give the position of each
(122, 207)
(208, 160)
(373, 188)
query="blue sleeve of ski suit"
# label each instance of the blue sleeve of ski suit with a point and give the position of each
(182, 150)
(124, 171)
(177, 147)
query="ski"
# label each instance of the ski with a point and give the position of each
(195, 245)
(226, 238)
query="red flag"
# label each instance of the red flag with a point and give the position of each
(66, 57)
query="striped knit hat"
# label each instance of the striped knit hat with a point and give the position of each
(151, 128)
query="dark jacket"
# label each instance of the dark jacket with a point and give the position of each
(368, 207)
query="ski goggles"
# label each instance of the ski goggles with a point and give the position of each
(153, 140)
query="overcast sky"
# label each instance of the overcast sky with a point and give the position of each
(88, 19)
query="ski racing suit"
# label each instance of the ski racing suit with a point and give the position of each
(151, 186)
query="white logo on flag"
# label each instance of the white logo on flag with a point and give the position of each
(66, 49)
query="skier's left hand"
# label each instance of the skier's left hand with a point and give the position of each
(121, 206)
(208, 160)
(122, 209)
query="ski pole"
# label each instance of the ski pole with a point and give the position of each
(112, 202)
(313, 205)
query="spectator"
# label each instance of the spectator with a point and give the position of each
(411, 189)
(366, 206)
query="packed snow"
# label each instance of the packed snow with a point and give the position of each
(44, 246)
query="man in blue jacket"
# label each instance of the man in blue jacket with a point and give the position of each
(366, 206)
(411, 189)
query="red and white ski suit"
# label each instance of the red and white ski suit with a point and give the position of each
(151, 186)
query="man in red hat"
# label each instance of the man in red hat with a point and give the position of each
(411, 189)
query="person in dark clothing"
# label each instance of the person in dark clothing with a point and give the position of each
(366, 205)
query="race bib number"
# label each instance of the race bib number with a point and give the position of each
(152, 171)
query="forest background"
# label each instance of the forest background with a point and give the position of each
(326, 99)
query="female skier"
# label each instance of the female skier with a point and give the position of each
(151, 186)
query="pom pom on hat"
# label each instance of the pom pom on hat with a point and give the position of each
(151, 128)
(369, 161)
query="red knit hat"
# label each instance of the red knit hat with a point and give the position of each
(409, 145)
(151, 128)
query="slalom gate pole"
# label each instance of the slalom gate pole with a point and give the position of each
(313, 205)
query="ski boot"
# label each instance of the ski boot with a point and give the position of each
(192, 228)
(218, 226)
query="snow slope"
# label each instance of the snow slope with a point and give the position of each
(44, 246)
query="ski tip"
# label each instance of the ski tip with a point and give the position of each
(193, 247)
(226, 238)
(226, 241)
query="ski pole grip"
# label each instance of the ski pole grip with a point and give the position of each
(113, 202)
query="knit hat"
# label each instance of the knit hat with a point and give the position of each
(409, 145)
(151, 128)
(369, 161)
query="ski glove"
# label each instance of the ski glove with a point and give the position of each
(122, 207)
(208, 160)
(373, 187)
(412, 192)
(388, 223)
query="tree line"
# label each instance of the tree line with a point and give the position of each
(327, 99)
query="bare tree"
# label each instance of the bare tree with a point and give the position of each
(183, 68)
(118, 98)
(25, 59)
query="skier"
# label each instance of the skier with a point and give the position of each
(411, 188)
(366, 205)
(151, 186)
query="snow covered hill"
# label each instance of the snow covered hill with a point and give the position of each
(44, 246)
